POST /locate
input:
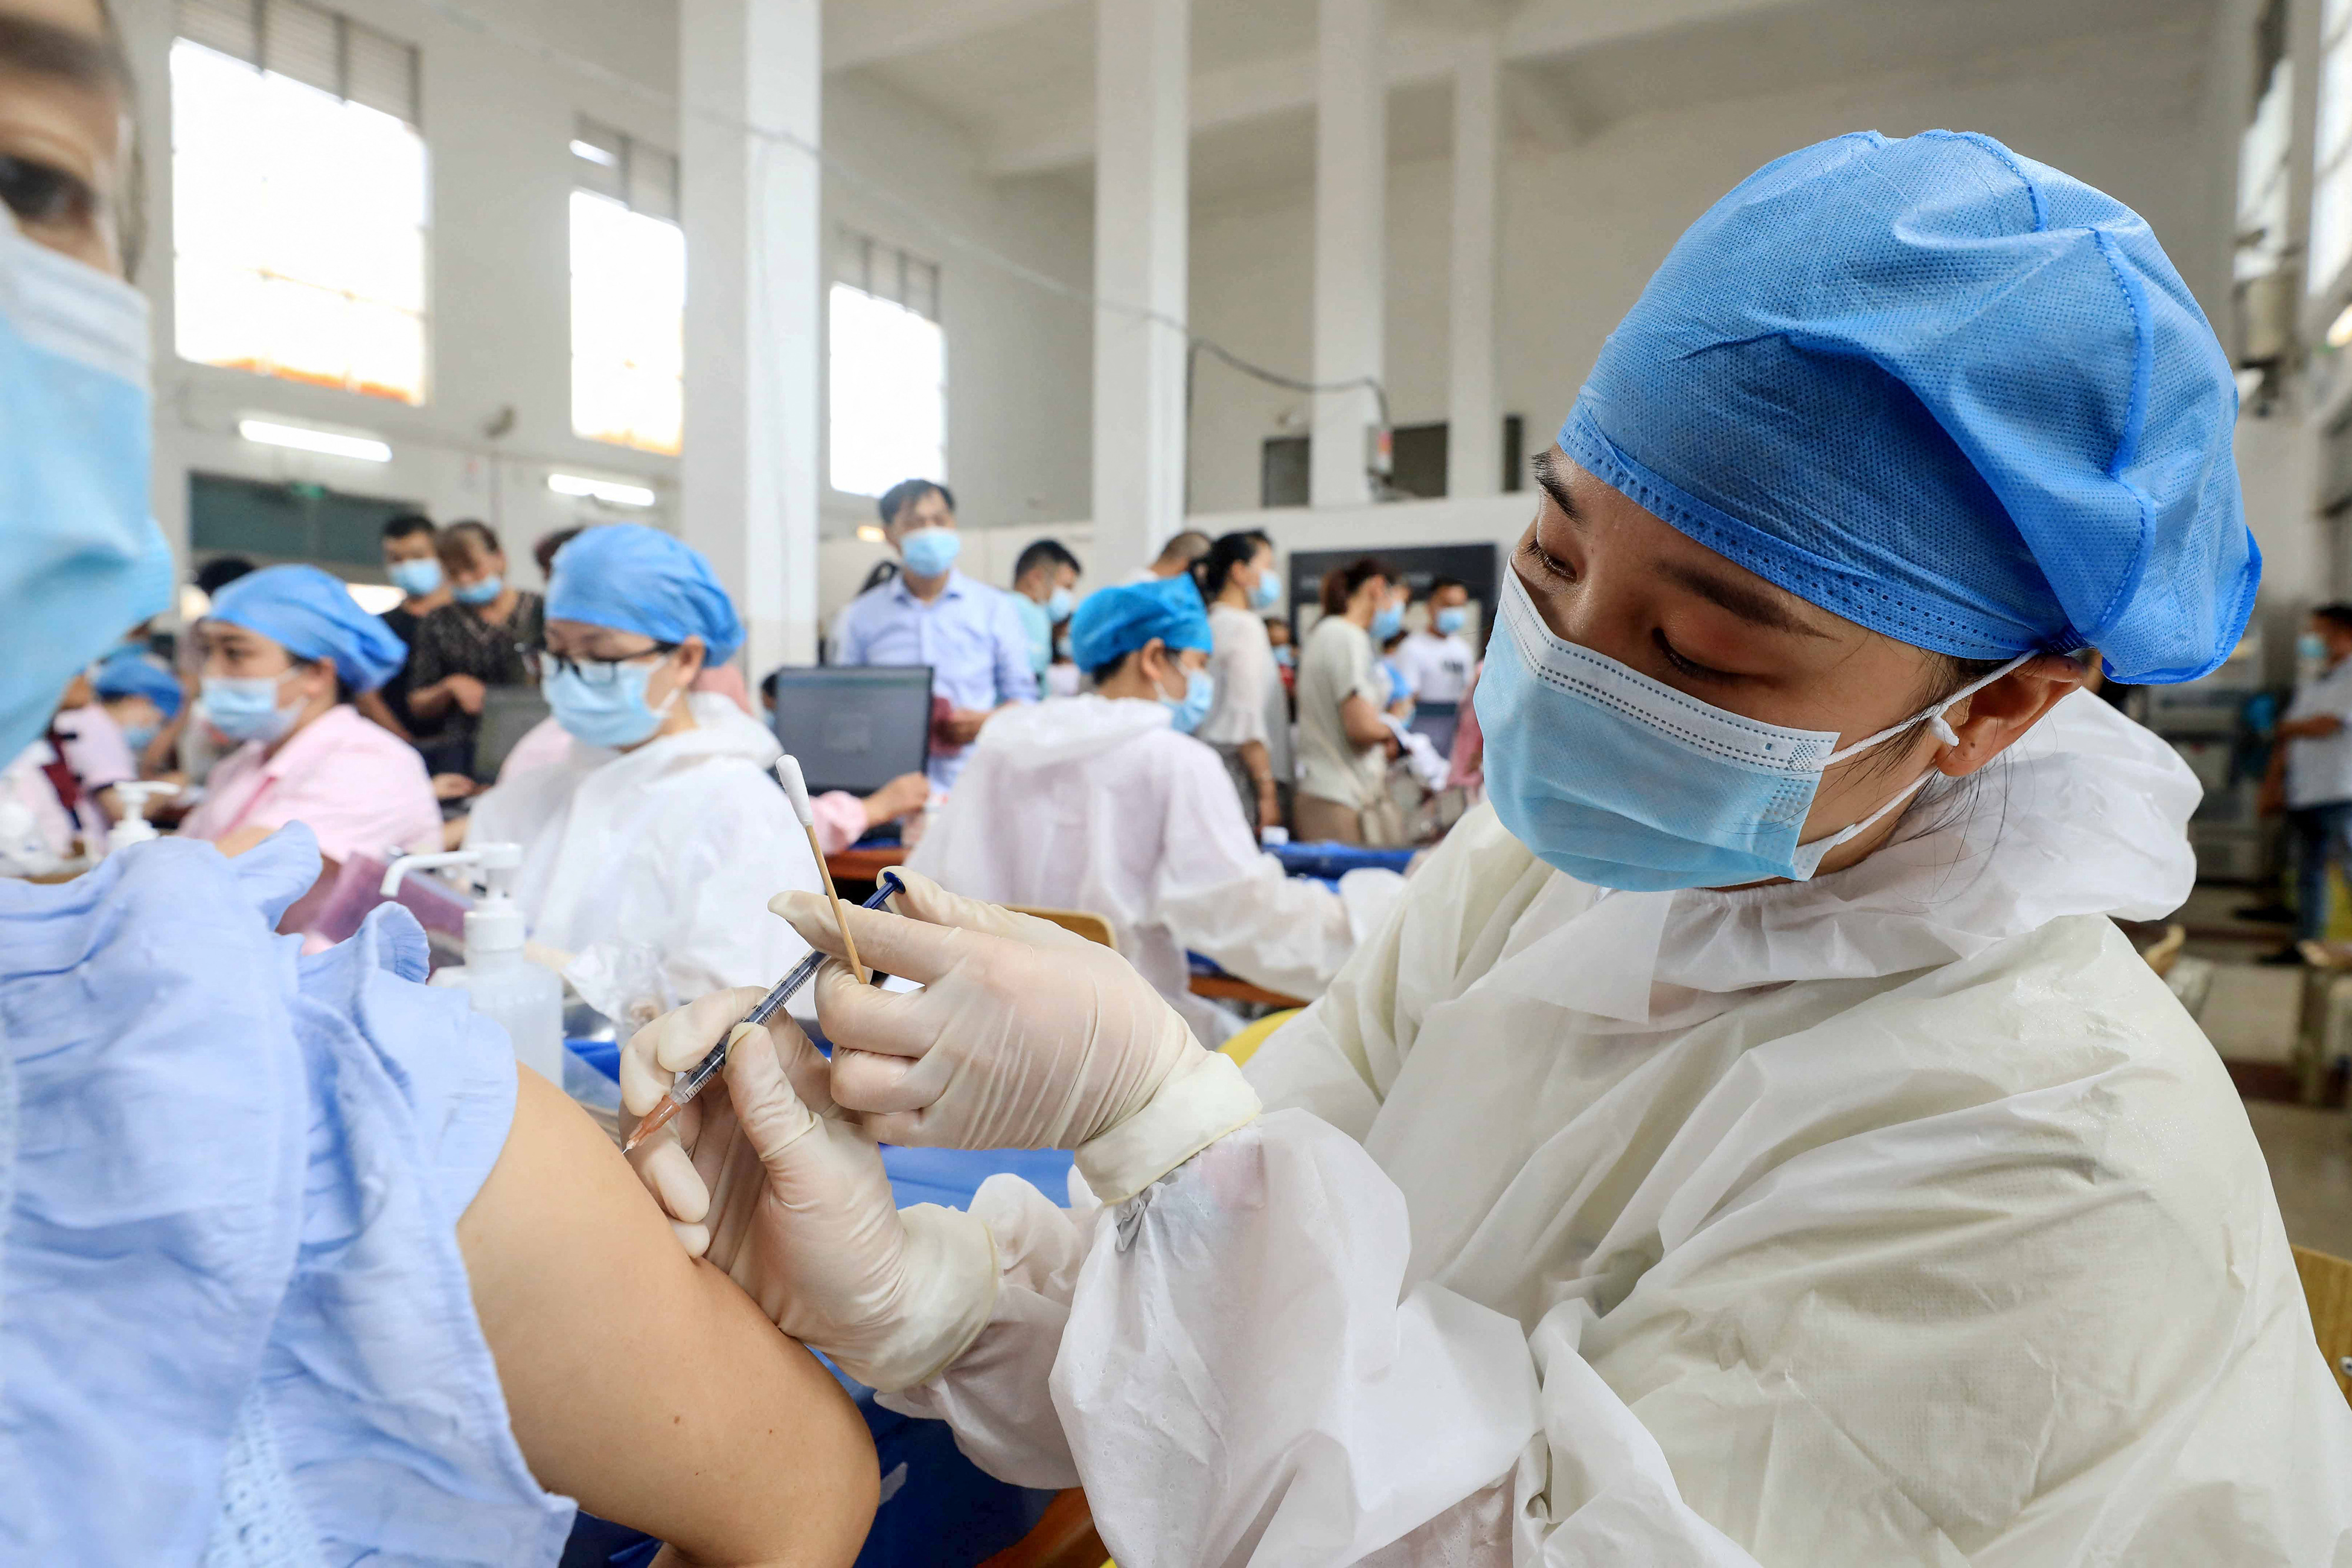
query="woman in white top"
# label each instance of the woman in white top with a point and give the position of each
(651, 850)
(1249, 722)
(1344, 744)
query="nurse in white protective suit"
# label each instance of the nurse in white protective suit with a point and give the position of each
(650, 850)
(1105, 803)
(1752, 1141)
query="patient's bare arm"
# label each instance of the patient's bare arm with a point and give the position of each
(643, 1383)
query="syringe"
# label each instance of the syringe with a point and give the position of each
(692, 1082)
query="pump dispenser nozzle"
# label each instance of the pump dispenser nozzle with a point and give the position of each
(134, 828)
(494, 925)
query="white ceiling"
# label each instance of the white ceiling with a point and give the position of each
(1018, 75)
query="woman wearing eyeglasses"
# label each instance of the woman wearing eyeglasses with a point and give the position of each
(650, 850)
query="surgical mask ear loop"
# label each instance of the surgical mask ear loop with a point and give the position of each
(1808, 857)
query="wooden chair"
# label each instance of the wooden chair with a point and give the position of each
(2327, 1287)
(2161, 956)
(1243, 1045)
(1079, 922)
(1065, 1538)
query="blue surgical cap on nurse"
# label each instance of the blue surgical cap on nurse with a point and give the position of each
(631, 577)
(1113, 623)
(1947, 392)
(312, 615)
(137, 675)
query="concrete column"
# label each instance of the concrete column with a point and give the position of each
(1350, 240)
(1473, 444)
(1143, 52)
(754, 249)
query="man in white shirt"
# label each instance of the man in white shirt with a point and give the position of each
(1436, 660)
(2314, 755)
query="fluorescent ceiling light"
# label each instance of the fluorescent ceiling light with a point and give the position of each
(2339, 331)
(303, 439)
(594, 154)
(872, 533)
(375, 598)
(610, 491)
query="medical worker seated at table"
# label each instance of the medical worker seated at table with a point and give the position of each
(299, 1268)
(284, 650)
(1105, 803)
(1752, 1141)
(651, 850)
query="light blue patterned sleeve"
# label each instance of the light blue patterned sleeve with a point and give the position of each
(235, 1325)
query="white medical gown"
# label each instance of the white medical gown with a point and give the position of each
(234, 1323)
(653, 868)
(1901, 1216)
(1094, 804)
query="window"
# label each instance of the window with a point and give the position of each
(889, 369)
(2331, 187)
(298, 197)
(2263, 148)
(628, 292)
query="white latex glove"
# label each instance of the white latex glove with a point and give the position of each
(795, 1206)
(1023, 1037)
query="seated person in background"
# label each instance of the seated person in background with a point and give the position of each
(1437, 659)
(462, 649)
(1044, 580)
(283, 650)
(931, 614)
(651, 849)
(1105, 803)
(188, 747)
(141, 695)
(53, 804)
(1176, 558)
(412, 562)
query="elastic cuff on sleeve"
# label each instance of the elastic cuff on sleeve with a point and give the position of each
(1203, 1099)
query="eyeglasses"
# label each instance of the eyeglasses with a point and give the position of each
(595, 672)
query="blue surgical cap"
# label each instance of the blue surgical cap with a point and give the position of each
(312, 615)
(1112, 622)
(137, 675)
(631, 577)
(1947, 392)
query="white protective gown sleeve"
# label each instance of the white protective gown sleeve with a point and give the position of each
(1969, 1261)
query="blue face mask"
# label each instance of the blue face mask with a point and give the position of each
(1623, 782)
(480, 592)
(612, 713)
(1450, 621)
(1062, 646)
(137, 735)
(930, 551)
(1186, 713)
(1287, 656)
(2311, 646)
(1387, 622)
(1058, 605)
(80, 558)
(244, 707)
(418, 577)
(1267, 593)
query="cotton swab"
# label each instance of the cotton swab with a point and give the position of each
(788, 773)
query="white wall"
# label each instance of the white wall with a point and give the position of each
(497, 117)
(1020, 358)
(1583, 228)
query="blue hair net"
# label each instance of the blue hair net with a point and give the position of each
(1948, 392)
(136, 676)
(1112, 622)
(631, 577)
(312, 615)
